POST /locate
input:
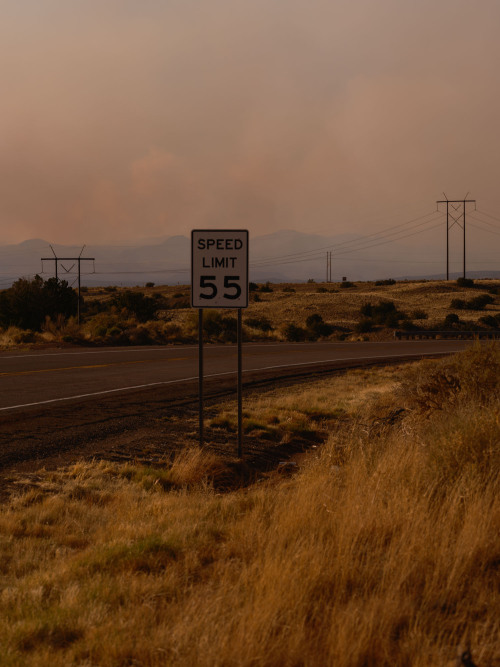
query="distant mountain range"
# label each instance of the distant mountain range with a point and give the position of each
(283, 256)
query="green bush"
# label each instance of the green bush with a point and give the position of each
(465, 282)
(388, 281)
(28, 303)
(451, 319)
(261, 323)
(408, 325)
(480, 302)
(365, 325)
(294, 334)
(491, 321)
(317, 328)
(137, 304)
(385, 312)
(476, 303)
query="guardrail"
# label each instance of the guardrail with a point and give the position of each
(446, 335)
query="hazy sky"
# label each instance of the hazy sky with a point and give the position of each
(123, 119)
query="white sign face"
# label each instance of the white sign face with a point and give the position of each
(219, 268)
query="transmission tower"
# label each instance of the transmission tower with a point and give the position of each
(455, 212)
(78, 259)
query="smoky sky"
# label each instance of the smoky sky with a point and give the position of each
(123, 119)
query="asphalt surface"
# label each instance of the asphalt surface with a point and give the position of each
(57, 406)
(44, 378)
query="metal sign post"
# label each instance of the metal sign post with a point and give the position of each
(219, 279)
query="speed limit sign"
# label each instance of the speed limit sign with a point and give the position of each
(219, 268)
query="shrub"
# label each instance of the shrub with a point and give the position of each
(465, 282)
(219, 327)
(316, 327)
(385, 312)
(419, 314)
(311, 280)
(216, 326)
(365, 325)
(29, 302)
(451, 319)
(321, 290)
(252, 287)
(261, 323)
(476, 303)
(479, 302)
(388, 281)
(150, 284)
(288, 289)
(266, 288)
(458, 304)
(137, 304)
(491, 321)
(346, 283)
(472, 374)
(294, 334)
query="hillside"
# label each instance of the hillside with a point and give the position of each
(336, 311)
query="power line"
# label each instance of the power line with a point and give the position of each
(336, 254)
(483, 229)
(493, 217)
(352, 241)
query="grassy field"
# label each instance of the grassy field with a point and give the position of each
(382, 549)
(272, 309)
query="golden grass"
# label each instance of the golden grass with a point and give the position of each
(338, 307)
(383, 550)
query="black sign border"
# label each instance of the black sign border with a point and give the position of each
(208, 231)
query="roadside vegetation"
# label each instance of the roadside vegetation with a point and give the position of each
(38, 312)
(382, 549)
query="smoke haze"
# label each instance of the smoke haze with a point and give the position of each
(122, 119)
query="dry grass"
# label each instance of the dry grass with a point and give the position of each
(314, 408)
(383, 550)
(338, 307)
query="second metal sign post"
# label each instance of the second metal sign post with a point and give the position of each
(219, 279)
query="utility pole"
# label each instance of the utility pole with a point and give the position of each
(78, 259)
(328, 267)
(461, 207)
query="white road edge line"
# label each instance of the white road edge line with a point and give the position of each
(211, 375)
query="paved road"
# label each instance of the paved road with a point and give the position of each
(47, 378)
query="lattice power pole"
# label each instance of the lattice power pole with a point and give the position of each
(78, 259)
(459, 210)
